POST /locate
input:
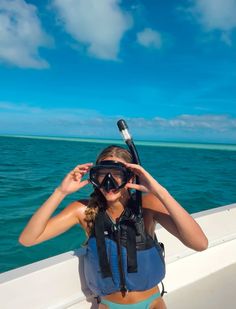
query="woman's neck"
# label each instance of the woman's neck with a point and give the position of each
(114, 210)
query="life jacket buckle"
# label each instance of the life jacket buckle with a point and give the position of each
(124, 290)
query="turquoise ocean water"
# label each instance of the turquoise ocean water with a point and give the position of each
(199, 176)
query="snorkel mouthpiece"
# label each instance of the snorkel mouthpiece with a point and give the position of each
(109, 183)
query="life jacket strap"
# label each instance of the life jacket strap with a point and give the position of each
(132, 265)
(101, 245)
(129, 219)
(123, 287)
(98, 299)
(163, 289)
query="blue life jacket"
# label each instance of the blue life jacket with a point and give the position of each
(122, 256)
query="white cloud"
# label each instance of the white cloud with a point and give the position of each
(22, 108)
(21, 35)
(65, 113)
(98, 24)
(225, 37)
(216, 15)
(149, 38)
(25, 119)
(218, 123)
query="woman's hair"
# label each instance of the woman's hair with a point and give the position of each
(97, 200)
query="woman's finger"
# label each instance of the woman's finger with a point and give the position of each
(79, 168)
(136, 187)
(134, 167)
(84, 183)
(86, 165)
(73, 174)
(78, 172)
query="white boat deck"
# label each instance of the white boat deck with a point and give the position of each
(193, 279)
(212, 292)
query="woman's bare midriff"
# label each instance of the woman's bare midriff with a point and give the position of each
(131, 297)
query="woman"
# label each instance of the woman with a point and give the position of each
(103, 214)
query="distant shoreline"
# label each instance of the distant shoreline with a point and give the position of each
(198, 145)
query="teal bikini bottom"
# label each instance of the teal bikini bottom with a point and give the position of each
(144, 304)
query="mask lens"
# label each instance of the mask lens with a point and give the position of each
(117, 171)
(118, 175)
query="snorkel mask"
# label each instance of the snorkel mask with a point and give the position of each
(109, 175)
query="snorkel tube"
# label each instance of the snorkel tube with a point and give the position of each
(136, 160)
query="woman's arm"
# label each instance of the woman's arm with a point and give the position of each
(41, 226)
(169, 212)
(176, 220)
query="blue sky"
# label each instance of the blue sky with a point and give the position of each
(73, 68)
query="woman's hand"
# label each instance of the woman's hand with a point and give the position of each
(72, 182)
(147, 182)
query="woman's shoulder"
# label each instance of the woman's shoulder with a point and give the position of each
(78, 207)
(81, 203)
(151, 202)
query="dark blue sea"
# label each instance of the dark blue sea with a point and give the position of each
(199, 176)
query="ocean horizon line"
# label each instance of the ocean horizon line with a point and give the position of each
(180, 144)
